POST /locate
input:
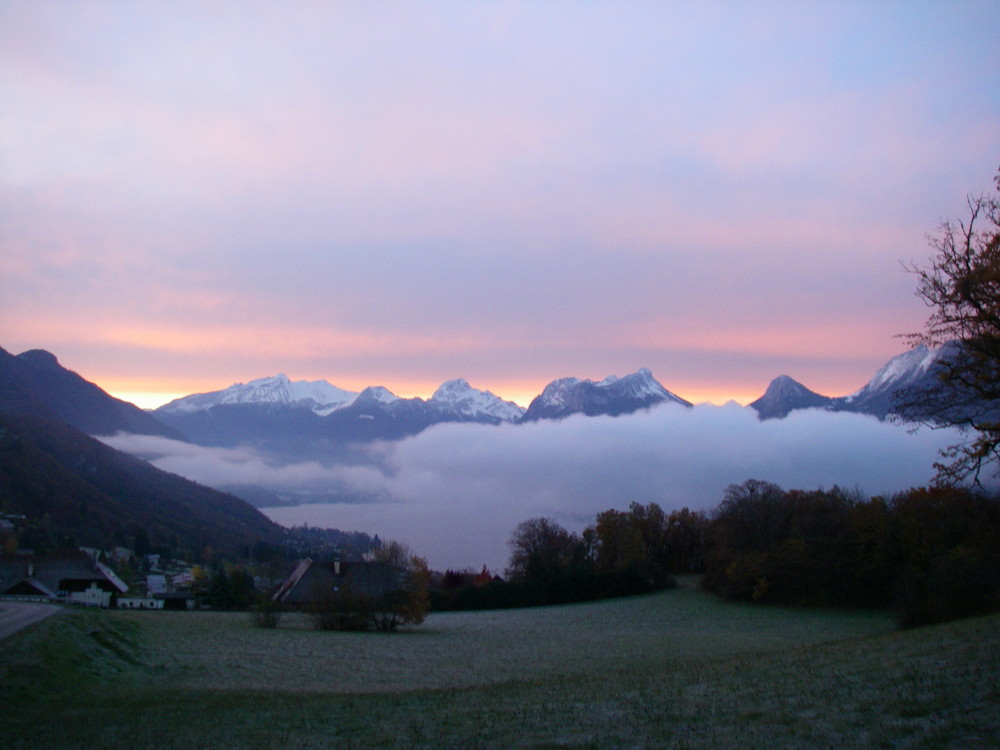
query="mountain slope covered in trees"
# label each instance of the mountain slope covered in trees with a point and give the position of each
(74, 490)
(34, 382)
(65, 488)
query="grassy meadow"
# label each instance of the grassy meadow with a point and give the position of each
(675, 669)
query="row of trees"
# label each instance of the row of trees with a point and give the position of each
(621, 554)
(933, 553)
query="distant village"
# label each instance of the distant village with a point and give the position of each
(129, 578)
(88, 576)
(122, 578)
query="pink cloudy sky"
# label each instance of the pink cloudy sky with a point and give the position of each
(198, 193)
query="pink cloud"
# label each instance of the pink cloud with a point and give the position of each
(525, 192)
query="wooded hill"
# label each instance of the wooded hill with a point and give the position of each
(74, 490)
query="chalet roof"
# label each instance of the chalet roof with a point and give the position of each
(26, 585)
(310, 578)
(52, 571)
(111, 576)
(293, 580)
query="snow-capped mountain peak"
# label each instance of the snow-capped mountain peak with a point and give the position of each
(642, 384)
(612, 396)
(449, 390)
(376, 393)
(461, 397)
(318, 395)
(557, 393)
(901, 370)
(914, 370)
(880, 396)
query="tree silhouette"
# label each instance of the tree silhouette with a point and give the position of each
(962, 286)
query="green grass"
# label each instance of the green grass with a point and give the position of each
(677, 669)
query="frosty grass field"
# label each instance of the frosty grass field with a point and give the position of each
(676, 669)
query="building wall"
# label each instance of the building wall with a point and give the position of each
(91, 597)
(135, 602)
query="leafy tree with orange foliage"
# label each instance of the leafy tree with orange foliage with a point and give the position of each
(405, 601)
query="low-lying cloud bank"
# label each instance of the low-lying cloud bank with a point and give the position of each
(456, 491)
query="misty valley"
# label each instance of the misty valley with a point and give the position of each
(603, 543)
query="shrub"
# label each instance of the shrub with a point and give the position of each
(266, 614)
(341, 611)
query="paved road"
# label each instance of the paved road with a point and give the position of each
(17, 615)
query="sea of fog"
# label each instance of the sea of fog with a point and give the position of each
(455, 492)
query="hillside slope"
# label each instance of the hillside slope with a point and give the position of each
(679, 669)
(73, 490)
(35, 383)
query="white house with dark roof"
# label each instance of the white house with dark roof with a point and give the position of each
(65, 576)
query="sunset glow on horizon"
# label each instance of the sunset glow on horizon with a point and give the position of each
(194, 195)
(154, 399)
(150, 395)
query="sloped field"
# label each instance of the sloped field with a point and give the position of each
(674, 669)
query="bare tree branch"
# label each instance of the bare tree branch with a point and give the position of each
(961, 285)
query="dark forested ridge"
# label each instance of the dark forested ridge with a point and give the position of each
(74, 490)
(68, 489)
(35, 383)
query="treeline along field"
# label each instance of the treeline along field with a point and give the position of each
(932, 554)
(929, 554)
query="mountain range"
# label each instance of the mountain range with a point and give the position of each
(308, 417)
(913, 370)
(64, 481)
(315, 418)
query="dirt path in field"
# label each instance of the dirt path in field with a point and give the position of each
(15, 616)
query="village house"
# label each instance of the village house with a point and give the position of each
(182, 581)
(64, 576)
(313, 580)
